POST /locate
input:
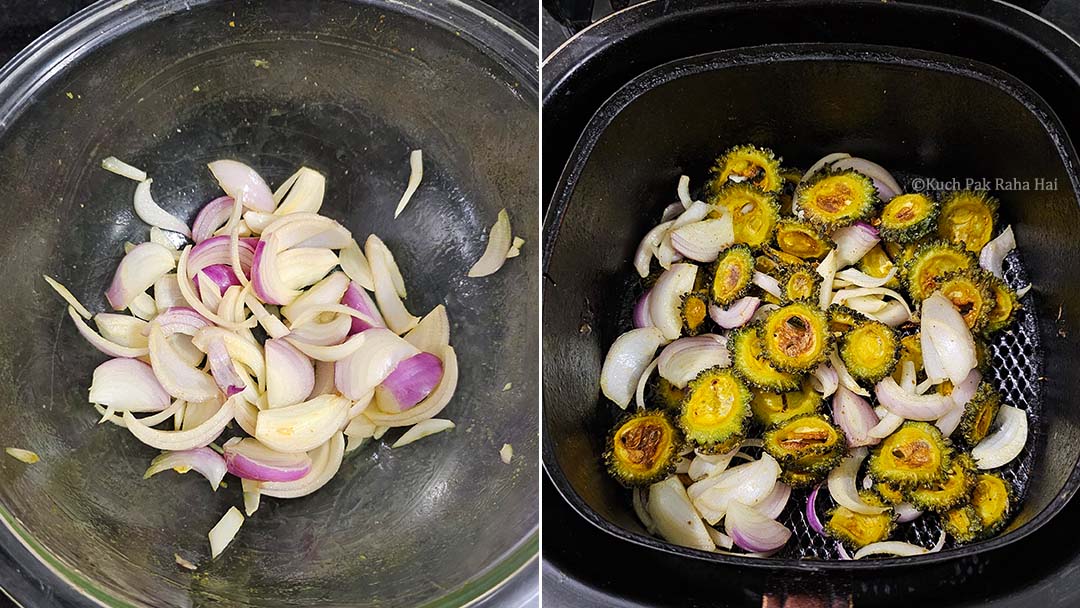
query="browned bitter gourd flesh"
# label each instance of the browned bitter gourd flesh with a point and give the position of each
(643, 448)
(915, 454)
(796, 337)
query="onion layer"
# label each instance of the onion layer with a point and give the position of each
(410, 383)
(626, 361)
(128, 385)
(304, 426)
(665, 301)
(737, 314)
(1004, 444)
(204, 461)
(855, 417)
(753, 531)
(248, 459)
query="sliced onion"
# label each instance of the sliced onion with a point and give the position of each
(899, 548)
(137, 272)
(301, 193)
(369, 366)
(824, 380)
(626, 361)
(703, 466)
(949, 337)
(827, 270)
(703, 241)
(416, 173)
(304, 266)
(861, 279)
(216, 251)
(266, 273)
(855, 417)
(68, 297)
(853, 242)
(433, 331)
(811, 512)
(665, 301)
(763, 312)
(304, 426)
(429, 407)
(424, 428)
(180, 320)
(308, 230)
(683, 191)
(242, 183)
(748, 484)
(247, 458)
(357, 298)
(143, 307)
(224, 531)
(1003, 445)
(993, 253)
(910, 406)
(682, 360)
(884, 182)
(122, 329)
(181, 379)
(767, 283)
(149, 211)
(753, 531)
(221, 276)
(906, 512)
(844, 376)
(737, 314)
(203, 461)
(773, 504)
(410, 383)
(128, 385)
(290, 375)
(327, 291)
(842, 485)
(495, 253)
(397, 317)
(844, 296)
(674, 515)
(648, 246)
(325, 463)
(894, 314)
(212, 216)
(356, 266)
(252, 496)
(119, 167)
(888, 425)
(197, 437)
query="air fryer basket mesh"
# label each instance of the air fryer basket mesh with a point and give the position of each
(1016, 368)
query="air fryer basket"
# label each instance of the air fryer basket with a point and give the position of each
(917, 114)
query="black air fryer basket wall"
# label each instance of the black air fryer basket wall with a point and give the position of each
(912, 112)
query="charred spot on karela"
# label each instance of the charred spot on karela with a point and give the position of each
(808, 443)
(910, 350)
(667, 395)
(732, 274)
(772, 408)
(856, 530)
(754, 212)
(878, 264)
(694, 312)
(992, 500)
(750, 363)
(979, 414)
(967, 219)
(908, 218)
(953, 490)
(746, 164)
(802, 240)
(870, 351)
(715, 413)
(799, 283)
(1006, 304)
(915, 454)
(971, 293)
(642, 448)
(833, 199)
(930, 263)
(796, 337)
(963, 524)
(843, 319)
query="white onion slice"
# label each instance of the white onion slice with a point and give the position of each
(911, 406)
(993, 253)
(703, 466)
(252, 495)
(515, 247)
(625, 362)
(432, 404)
(325, 463)
(773, 504)
(737, 314)
(753, 531)
(303, 266)
(704, 240)
(423, 429)
(128, 385)
(674, 516)
(842, 486)
(179, 377)
(367, 367)
(824, 380)
(124, 330)
(888, 425)
(498, 245)
(827, 270)
(304, 426)
(768, 284)
(665, 300)
(844, 376)
(197, 437)
(204, 461)
(894, 314)
(853, 242)
(855, 417)
(648, 247)
(844, 295)
(1003, 445)
(119, 167)
(949, 336)
(290, 375)
(356, 266)
(305, 190)
(397, 317)
(861, 279)
(433, 331)
(303, 229)
(243, 184)
(143, 307)
(137, 272)
(68, 297)
(898, 548)
(906, 512)
(273, 325)
(748, 484)
(224, 531)
(683, 191)
(327, 291)
(416, 173)
(682, 360)
(149, 211)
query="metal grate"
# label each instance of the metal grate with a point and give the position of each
(1015, 370)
